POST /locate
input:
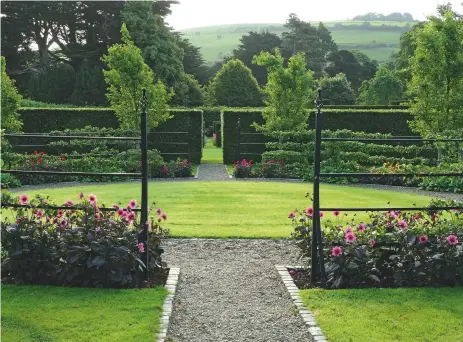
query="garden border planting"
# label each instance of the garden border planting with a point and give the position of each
(171, 286)
(315, 332)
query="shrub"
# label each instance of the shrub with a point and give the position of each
(90, 87)
(10, 102)
(385, 88)
(234, 86)
(82, 246)
(53, 84)
(392, 249)
(9, 181)
(272, 169)
(337, 90)
(242, 169)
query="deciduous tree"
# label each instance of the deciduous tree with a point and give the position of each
(289, 90)
(126, 76)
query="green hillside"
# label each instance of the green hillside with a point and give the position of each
(376, 41)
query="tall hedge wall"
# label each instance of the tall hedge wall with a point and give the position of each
(44, 120)
(369, 121)
(218, 133)
(211, 114)
(189, 121)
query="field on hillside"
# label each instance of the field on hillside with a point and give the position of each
(217, 41)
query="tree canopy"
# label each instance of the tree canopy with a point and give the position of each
(289, 91)
(234, 86)
(126, 76)
(252, 44)
(337, 90)
(437, 74)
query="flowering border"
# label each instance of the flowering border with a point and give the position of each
(171, 286)
(315, 332)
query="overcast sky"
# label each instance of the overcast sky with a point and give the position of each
(197, 13)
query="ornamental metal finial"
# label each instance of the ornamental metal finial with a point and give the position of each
(318, 101)
(144, 100)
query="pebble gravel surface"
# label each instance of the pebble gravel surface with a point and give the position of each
(230, 291)
(212, 172)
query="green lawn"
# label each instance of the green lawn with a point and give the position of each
(234, 209)
(211, 154)
(413, 314)
(48, 314)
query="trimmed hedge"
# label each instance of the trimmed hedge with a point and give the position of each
(218, 134)
(189, 121)
(44, 120)
(229, 118)
(368, 107)
(210, 114)
(369, 121)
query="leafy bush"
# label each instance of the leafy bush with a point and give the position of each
(337, 90)
(101, 161)
(272, 169)
(90, 87)
(242, 169)
(80, 246)
(441, 183)
(174, 168)
(10, 102)
(391, 249)
(234, 86)
(53, 84)
(9, 181)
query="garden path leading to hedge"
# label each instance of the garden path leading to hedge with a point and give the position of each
(229, 290)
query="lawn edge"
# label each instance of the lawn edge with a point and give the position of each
(315, 332)
(171, 287)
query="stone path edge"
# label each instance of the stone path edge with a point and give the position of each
(171, 286)
(315, 332)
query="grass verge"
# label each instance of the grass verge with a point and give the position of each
(405, 314)
(234, 209)
(48, 314)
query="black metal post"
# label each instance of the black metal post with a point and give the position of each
(238, 143)
(144, 182)
(317, 243)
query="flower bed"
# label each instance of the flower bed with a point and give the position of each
(392, 249)
(107, 161)
(266, 169)
(84, 245)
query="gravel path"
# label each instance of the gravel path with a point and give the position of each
(229, 290)
(212, 172)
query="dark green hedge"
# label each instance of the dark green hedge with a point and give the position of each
(229, 120)
(44, 120)
(210, 114)
(369, 107)
(370, 121)
(189, 121)
(218, 133)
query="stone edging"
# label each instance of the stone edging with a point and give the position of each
(171, 286)
(315, 332)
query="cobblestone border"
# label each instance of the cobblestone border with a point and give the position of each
(315, 332)
(171, 286)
